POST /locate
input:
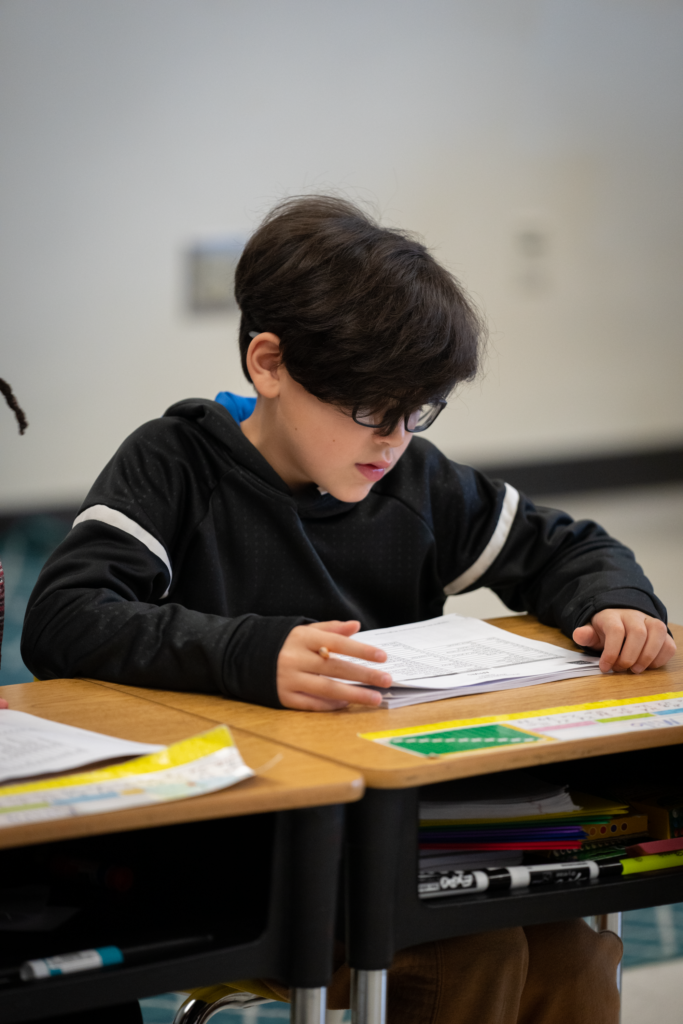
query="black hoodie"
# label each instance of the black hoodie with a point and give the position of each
(191, 560)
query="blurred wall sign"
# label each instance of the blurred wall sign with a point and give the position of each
(532, 252)
(211, 274)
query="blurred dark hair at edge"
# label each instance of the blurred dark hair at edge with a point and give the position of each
(23, 423)
(367, 318)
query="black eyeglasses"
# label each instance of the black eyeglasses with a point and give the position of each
(415, 422)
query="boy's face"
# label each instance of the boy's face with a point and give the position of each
(308, 441)
(330, 449)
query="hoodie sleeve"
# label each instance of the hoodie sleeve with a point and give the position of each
(103, 604)
(536, 559)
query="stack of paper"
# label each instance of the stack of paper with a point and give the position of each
(504, 818)
(499, 795)
(453, 655)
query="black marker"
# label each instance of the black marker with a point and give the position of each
(450, 883)
(446, 883)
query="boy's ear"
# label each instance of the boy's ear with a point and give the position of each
(264, 360)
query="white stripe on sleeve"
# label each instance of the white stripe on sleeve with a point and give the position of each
(110, 516)
(494, 546)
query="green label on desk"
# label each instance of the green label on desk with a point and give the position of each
(457, 741)
(570, 722)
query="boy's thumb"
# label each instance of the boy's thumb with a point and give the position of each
(585, 636)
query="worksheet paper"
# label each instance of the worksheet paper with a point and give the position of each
(453, 655)
(35, 746)
(192, 767)
(499, 795)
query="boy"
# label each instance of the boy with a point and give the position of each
(232, 550)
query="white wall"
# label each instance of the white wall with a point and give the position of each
(130, 128)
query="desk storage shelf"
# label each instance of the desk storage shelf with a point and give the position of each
(209, 878)
(382, 865)
(427, 920)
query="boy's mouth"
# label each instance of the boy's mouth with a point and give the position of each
(372, 470)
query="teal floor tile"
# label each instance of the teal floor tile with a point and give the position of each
(161, 1009)
(653, 935)
(24, 546)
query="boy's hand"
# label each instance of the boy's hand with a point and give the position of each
(303, 674)
(3, 703)
(629, 640)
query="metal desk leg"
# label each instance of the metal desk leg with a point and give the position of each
(609, 923)
(308, 1005)
(317, 834)
(368, 997)
(375, 825)
(613, 923)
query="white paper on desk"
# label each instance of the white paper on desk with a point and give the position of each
(30, 745)
(192, 767)
(404, 695)
(456, 653)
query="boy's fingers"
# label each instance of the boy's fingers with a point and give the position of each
(634, 642)
(667, 651)
(337, 626)
(656, 638)
(324, 688)
(309, 679)
(613, 641)
(343, 645)
(338, 641)
(339, 669)
(307, 702)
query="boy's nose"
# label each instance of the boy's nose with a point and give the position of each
(396, 437)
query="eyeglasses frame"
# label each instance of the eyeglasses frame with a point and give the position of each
(439, 405)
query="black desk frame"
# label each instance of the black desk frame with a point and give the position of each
(384, 913)
(296, 945)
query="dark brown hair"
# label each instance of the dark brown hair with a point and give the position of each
(6, 390)
(367, 318)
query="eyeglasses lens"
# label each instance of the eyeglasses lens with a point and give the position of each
(366, 419)
(415, 422)
(423, 417)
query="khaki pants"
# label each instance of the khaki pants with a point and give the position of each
(546, 974)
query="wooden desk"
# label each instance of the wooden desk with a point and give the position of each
(278, 924)
(335, 735)
(295, 779)
(383, 911)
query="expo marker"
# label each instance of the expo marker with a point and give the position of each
(103, 956)
(446, 883)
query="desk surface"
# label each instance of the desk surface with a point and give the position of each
(296, 779)
(335, 735)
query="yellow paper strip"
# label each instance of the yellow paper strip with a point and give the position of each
(413, 730)
(172, 756)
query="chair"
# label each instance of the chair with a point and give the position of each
(199, 1011)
